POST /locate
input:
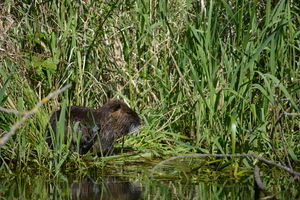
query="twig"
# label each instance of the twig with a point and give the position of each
(285, 168)
(27, 114)
(260, 186)
(11, 111)
(287, 113)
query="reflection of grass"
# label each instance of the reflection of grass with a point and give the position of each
(210, 79)
(210, 185)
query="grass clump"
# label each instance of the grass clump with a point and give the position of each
(209, 77)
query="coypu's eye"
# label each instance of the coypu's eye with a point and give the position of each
(117, 107)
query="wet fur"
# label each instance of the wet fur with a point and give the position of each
(99, 127)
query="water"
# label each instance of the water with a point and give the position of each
(134, 182)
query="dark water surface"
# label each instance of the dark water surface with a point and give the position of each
(134, 182)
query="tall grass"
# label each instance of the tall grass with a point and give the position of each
(205, 78)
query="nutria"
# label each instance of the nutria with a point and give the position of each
(98, 127)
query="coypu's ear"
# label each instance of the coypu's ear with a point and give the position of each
(117, 107)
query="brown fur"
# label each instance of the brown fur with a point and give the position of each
(99, 127)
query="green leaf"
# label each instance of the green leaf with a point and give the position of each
(293, 156)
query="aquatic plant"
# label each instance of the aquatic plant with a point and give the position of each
(209, 77)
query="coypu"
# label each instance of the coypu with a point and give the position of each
(98, 127)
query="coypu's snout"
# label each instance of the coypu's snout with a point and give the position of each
(135, 124)
(140, 122)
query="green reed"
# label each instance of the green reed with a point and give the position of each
(209, 78)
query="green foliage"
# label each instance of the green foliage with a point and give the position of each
(210, 78)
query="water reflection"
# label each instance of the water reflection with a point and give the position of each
(109, 188)
(135, 185)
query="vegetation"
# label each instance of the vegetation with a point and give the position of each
(205, 76)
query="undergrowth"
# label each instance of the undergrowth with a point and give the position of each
(205, 78)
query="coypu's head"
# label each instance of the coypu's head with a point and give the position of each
(118, 119)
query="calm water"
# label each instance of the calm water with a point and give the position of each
(137, 184)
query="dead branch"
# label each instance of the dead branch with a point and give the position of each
(259, 186)
(264, 160)
(27, 114)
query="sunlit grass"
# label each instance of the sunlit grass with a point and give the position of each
(210, 79)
